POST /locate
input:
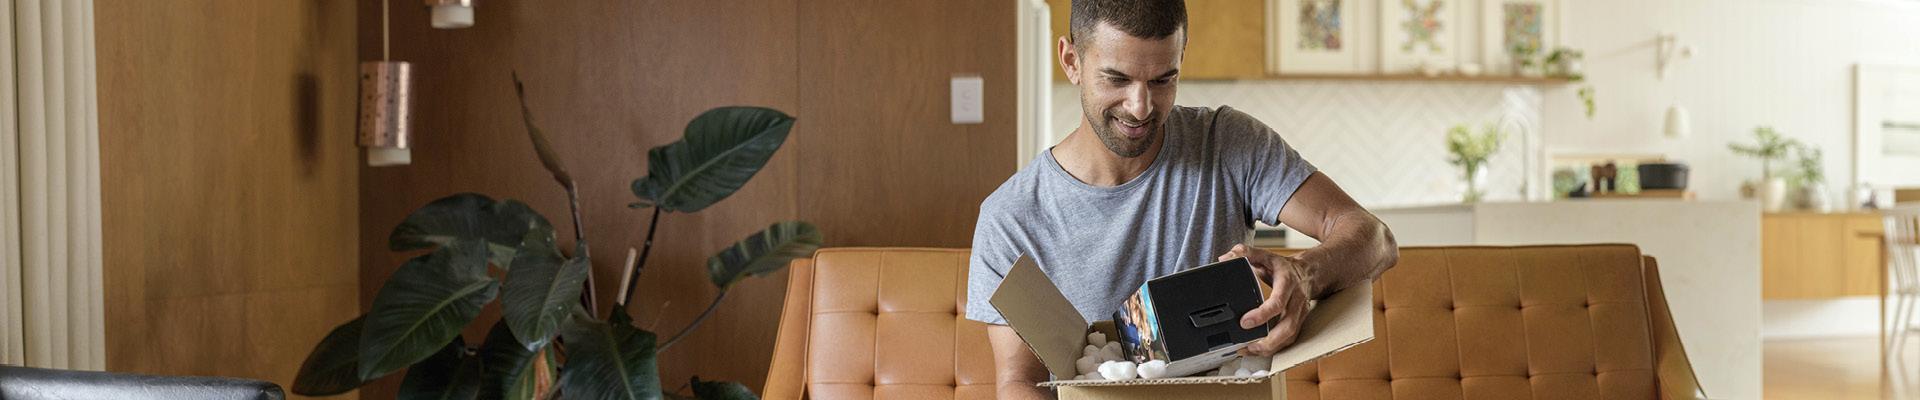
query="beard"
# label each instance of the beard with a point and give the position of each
(1118, 143)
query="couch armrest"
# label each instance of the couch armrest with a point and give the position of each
(786, 377)
(1671, 366)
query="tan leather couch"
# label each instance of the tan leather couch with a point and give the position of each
(1581, 322)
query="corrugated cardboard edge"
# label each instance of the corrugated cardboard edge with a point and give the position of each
(1337, 323)
(1044, 318)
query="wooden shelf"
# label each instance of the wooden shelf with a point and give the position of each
(1484, 79)
(1681, 194)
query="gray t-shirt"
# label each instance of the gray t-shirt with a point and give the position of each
(1217, 171)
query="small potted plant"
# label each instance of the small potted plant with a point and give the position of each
(1470, 153)
(1768, 146)
(1810, 179)
(1522, 54)
(1564, 62)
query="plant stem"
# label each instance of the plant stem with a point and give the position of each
(580, 236)
(696, 321)
(633, 280)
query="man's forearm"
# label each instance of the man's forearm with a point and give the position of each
(1355, 247)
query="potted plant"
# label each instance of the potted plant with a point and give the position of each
(1470, 152)
(1522, 55)
(1810, 179)
(551, 341)
(1768, 146)
(1564, 62)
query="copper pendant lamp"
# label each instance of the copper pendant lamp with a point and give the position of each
(386, 103)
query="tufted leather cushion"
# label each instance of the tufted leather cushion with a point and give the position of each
(1499, 323)
(887, 324)
(1452, 323)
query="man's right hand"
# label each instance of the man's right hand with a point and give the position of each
(1017, 371)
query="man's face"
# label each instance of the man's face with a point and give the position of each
(1126, 85)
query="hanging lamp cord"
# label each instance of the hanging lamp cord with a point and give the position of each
(385, 32)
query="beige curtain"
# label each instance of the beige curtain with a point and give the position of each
(50, 301)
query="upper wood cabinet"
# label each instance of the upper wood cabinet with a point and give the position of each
(1226, 39)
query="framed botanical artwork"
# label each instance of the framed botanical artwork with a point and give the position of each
(1313, 36)
(1524, 24)
(1419, 32)
(1886, 126)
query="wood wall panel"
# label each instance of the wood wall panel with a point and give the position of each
(883, 164)
(1227, 39)
(229, 187)
(609, 80)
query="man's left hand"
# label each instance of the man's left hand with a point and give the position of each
(1286, 307)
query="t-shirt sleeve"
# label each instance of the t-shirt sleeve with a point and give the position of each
(993, 255)
(1261, 162)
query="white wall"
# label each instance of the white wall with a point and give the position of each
(1384, 142)
(1784, 63)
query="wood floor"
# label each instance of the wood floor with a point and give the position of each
(1838, 369)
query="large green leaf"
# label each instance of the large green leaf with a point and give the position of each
(506, 226)
(763, 253)
(424, 305)
(450, 374)
(721, 390)
(722, 150)
(541, 147)
(609, 360)
(509, 366)
(334, 365)
(539, 292)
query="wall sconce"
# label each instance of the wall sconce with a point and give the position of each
(1670, 50)
(386, 103)
(451, 14)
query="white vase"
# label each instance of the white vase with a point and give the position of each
(1474, 188)
(1773, 194)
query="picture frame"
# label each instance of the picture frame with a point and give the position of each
(1503, 22)
(1886, 125)
(1313, 36)
(1416, 33)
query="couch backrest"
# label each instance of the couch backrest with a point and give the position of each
(889, 323)
(1456, 322)
(1499, 323)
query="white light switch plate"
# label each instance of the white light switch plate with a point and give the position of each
(967, 93)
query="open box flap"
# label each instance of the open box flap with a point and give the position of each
(1336, 323)
(1043, 317)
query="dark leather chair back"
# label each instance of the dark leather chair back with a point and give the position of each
(22, 383)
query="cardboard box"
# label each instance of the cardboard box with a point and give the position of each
(1056, 333)
(1190, 319)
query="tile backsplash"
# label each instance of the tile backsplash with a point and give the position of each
(1384, 142)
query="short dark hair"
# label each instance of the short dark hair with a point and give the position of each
(1145, 19)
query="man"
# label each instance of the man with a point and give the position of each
(1143, 188)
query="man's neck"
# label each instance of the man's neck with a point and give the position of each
(1088, 160)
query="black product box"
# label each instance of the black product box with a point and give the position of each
(1191, 319)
